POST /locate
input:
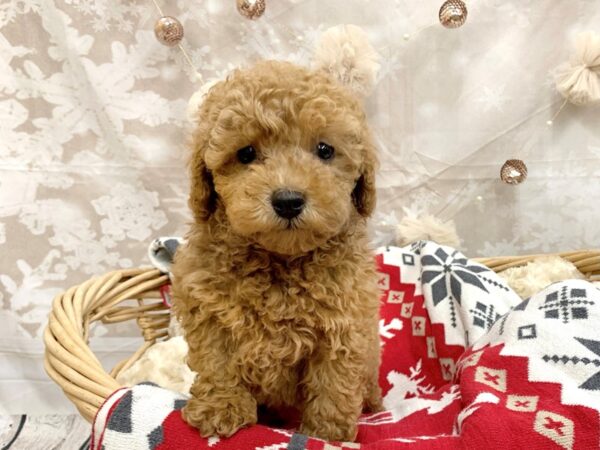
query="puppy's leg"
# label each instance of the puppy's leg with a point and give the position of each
(373, 401)
(334, 390)
(220, 403)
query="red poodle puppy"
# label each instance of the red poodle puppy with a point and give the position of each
(276, 286)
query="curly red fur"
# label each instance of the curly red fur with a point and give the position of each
(280, 313)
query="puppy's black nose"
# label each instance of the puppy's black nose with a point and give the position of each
(287, 204)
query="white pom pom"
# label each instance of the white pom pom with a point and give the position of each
(345, 52)
(196, 100)
(164, 364)
(538, 274)
(426, 228)
(175, 328)
(579, 80)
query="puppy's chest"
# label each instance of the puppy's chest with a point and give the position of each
(280, 331)
(271, 358)
(282, 317)
(274, 338)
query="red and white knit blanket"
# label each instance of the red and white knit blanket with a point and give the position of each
(466, 365)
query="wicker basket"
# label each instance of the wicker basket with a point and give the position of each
(134, 295)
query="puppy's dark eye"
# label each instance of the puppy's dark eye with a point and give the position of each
(325, 151)
(246, 155)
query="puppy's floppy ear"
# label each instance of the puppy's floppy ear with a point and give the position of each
(203, 114)
(203, 197)
(364, 195)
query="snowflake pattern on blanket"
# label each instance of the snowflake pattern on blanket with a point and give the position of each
(465, 365)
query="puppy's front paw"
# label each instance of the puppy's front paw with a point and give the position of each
(221, 416)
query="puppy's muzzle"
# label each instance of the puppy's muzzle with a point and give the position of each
(287, 204)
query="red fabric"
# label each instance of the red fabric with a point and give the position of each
(452, 398)
(179, 435)
(513, 429)
(405, 350)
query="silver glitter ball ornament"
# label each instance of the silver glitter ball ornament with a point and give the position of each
(453, 13)
(251, 9)
(514, 171)
(169, 31)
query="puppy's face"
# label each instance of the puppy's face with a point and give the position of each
(286, 153)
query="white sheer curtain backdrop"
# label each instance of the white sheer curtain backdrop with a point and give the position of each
(92, 111)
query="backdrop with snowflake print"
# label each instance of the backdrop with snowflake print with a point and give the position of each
(92, 139)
